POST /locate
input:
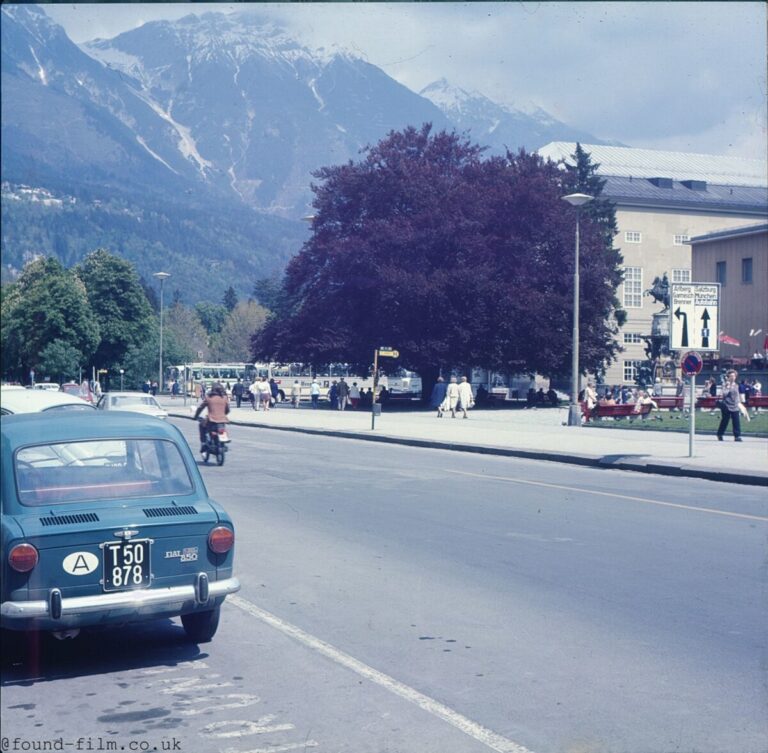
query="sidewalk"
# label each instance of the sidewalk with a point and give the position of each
(533, 434)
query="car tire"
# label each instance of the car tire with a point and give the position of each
(200, 627)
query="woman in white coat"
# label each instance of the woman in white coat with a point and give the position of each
(466, 397)
(451, 399)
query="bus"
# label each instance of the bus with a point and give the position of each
(194, 377)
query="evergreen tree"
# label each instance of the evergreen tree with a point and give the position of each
(230, 298)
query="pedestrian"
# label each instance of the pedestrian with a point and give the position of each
(384, 396)
(438, 395)
(590, 396)
(274, 392)
(237, 392)
(366, 398)
(255, 393)
(175, 389)
(333, 395)
(296, 393)
(153, 388)
(451, 398)
(731, 407)
(343, 394)
(265, 394)
(314, 392)
(354, 395)
(146, 386)
(467, 399)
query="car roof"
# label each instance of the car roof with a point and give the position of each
(126, 393)
(34, 401)
(65, 426)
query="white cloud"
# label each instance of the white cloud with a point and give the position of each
(670, 73)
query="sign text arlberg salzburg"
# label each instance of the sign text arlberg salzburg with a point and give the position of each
(694, 320)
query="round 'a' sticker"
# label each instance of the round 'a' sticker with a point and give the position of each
(80, 563)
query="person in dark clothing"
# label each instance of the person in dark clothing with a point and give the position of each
(237, 392)
(730, 407)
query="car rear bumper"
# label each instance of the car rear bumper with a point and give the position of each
(57, 613)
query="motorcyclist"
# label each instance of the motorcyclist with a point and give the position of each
(217, 403)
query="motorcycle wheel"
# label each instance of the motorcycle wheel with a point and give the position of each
(220, 455)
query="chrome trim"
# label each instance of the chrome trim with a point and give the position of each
(148, 597)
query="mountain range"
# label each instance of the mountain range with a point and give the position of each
(190, 145)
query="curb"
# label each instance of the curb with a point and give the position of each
(618, 462)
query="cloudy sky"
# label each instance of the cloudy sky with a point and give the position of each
(684, 76)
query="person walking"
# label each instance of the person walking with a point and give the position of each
(438, 395)
(237, 392)
(467, 398)
(451, 398)
(314, 392)
(730, 407)
(333, 395)
(343, 392)
(296, 393)
(354, 395)
(265, 394)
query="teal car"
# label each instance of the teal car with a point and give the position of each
(106, 521)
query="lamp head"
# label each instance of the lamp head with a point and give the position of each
(577, 199)
(161, 275)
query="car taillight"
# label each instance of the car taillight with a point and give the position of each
(221, 540)
(22, 558)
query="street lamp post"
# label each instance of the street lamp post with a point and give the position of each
(162, 276)
(122, 371)
(576, 200)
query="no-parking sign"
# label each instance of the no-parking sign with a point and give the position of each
(691, 363)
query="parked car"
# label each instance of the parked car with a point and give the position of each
(15, 400)
(83, 391)
(105, 521)
(138, 402)
(54, 386)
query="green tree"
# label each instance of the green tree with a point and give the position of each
(233, 343)
(118, 300)
(230, 298)
(61, 361)
(184, 326)
(46, 304)
(267, 291)
(212, 315)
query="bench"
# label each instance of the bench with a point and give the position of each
(707, 403)
(669, 402)
(624, 410)
(757, 402)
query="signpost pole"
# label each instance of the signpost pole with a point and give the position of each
(692, 435)
(375, 384)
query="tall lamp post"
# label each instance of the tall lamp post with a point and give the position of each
(576, 200)
(162, 276)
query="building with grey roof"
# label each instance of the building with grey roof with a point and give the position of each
(663, 199)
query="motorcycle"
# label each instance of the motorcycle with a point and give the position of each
(216, 443)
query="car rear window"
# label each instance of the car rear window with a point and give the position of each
(133, 400)
(100, 470)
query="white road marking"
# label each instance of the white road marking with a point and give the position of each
(182, 684)
(243, 699)
(176, 668)
(245, 727)
(277, 748)
(467, 726)
(609, 494)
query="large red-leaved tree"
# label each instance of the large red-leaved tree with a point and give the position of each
(451, 258)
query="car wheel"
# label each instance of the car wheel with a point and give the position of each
(200, 627)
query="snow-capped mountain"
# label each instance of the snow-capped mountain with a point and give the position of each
(499, 126)
(204, 132)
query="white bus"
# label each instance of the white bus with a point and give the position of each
(195, 377)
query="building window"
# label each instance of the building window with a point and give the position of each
(633, 236)
(632, 338)
(680, 240)
(746, 271)
(633, 287)
(720, 272)
(631, 369)
(681, 275)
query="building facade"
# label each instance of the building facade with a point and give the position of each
(738, 260)
(663, 199)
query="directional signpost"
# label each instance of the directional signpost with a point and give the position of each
(694, 322)
(384, 352)
(694, 316)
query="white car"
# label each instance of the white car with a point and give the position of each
(14, 400)
(135, 402)
(53, 386)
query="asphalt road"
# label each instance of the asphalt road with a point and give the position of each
(406, 600)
